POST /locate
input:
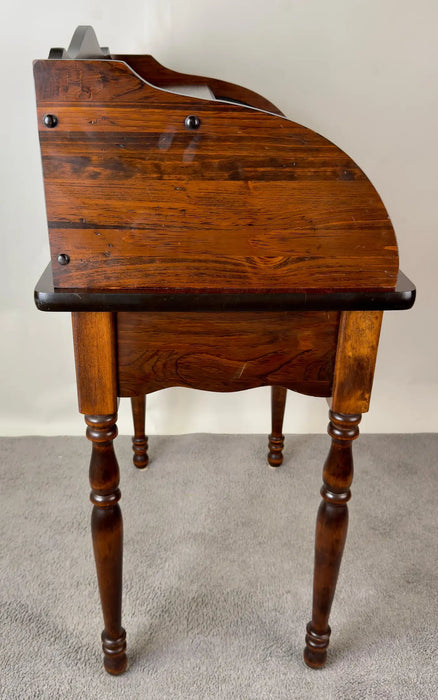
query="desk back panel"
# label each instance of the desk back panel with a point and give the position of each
(249, 201)
(154, 73)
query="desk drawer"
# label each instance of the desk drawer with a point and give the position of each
(226, 351)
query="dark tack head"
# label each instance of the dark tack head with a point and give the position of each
(63, 259)
(50, 120)
(192, 122)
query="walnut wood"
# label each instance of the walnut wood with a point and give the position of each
(107, 532)
(226, 351)
(156, 74)
(356, 355)
(331, 532)
(276, 438)
(139, 441)
(248, 202)
(94, 346)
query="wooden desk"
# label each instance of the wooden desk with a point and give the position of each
(206, 244)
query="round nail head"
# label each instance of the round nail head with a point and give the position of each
(192, 122)
(50, 121)
(63, 259)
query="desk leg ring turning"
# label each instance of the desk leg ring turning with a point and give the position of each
(276, 438)
(331, 532)
(139, 441)
(107, 533)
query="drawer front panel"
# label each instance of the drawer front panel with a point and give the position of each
(226, 351)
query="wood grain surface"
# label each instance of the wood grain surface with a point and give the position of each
(356, 356)
(226, 351)
(94, 346)
(250, 201)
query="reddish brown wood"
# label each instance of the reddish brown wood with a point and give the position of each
(139, 441)
(248, 202)
(107, 532)
(94, 345)
(226, 351)
(359, 333)
(276, 438)
(156, 74)
(354, 370)
(331, 532)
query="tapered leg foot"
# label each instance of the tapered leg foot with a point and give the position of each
(275, 454)
(107, 534)
(315, 652)
(331, 533)
(139, 441)
(115, 660)
(140, 448)
(276, 438)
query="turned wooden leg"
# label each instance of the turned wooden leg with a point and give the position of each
(331, 532)
(139, 441)
(276, 438)
(107, 532)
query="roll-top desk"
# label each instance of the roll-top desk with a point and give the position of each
(201, 239)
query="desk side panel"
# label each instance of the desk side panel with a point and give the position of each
(249, 201)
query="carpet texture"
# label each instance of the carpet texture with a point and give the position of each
(218, 571)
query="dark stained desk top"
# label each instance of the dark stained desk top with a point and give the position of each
(47, 298)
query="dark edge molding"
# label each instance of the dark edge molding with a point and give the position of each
(49, 299)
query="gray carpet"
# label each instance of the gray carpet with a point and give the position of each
(218, 571)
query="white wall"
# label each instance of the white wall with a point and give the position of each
(360, 72)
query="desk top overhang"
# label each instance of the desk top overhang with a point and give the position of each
(47, 298)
